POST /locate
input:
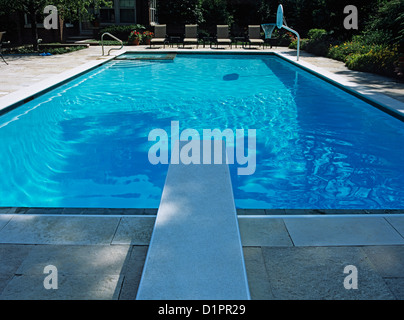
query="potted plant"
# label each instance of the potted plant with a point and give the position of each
(147, 35)
(134, 37)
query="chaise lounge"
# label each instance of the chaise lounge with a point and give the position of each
(191, 35)
(1, 46)
(254, 36)
(160, 35)
(222, 36)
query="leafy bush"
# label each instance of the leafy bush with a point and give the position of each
(317, 34)
(62, 50)
(380, 59)
(317, 42)
(44, 49)
(303, 44)
(342, 51)
(373, 37)
(122, 32)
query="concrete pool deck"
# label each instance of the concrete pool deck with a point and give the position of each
(286, 257)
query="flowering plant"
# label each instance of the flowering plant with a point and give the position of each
(148, 35)
(135, 35)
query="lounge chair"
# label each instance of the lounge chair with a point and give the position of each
(191, 34)
(160, 35)
(1, 45)
(254, 36)
(222, 35)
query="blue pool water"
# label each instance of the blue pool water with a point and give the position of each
(85, 143)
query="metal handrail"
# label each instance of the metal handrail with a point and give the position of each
(113, 37)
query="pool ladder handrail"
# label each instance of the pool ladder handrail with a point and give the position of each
(113, 37)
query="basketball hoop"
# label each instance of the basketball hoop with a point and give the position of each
(280, 24)
(279, 17)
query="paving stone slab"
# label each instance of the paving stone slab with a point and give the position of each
(4, 219)
(317, 273)
(263, 232)
(37, 229)
(397, 223)
(396, 286)
(388, 260)
(76, 259)
(11, 257)
(70, 287)
(133, 272)
(345, 231)
(134, 230)
(258, 281)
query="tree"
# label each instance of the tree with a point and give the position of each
(67, 9)
(215, 12)
(179, 12)
(389, 16)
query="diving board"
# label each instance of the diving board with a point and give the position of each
(195, 252)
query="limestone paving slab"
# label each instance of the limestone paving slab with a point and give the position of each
(69, 287)
(76, 259)
(11, 257)
(388, 260)
(263, 232)
(397, 223)
(342, 231)
(317, 273)
(41, 229)
(258, 281)
(4, 219)
(134, 230)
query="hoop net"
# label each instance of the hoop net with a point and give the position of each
(268, 29)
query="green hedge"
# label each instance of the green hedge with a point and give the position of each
(369, 52)
(317, 42)
(380, 59)
(121, 32)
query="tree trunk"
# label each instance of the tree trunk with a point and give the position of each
(34, 28)
(61, 29)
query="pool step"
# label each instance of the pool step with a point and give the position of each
(195, 251)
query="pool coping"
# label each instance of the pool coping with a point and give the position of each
(307, 231)
(241, 212)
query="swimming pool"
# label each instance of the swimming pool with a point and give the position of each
(85, 143)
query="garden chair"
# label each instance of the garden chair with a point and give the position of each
(222, 35)
(160, 35)
(191, 34)
(254, 35)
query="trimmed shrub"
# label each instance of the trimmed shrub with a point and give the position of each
(317, 43)
(381, 60)
(342, 51)
(303, 44)
(317, 34)
(122, 32)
